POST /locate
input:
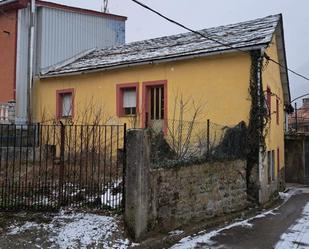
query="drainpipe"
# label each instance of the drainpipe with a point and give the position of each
(31, 60)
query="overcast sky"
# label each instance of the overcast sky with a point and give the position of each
(199, 14)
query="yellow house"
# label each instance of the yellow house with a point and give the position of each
(142, 84)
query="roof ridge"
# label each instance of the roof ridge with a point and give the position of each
(252, 34)
(189, 32)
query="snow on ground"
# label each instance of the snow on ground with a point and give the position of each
(17, 230)
(297, 235)
(205, 238)
(111, 199)
(78, 230)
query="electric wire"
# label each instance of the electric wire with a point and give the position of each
(214, 40)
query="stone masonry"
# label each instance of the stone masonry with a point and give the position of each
(193, 193)
(167, 198)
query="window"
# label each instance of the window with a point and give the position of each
(127, 99)
(271, 165)
(278, 162)
(277, 111)
(155, 105)
(65, 107)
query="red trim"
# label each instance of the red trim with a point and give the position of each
(119, 97)
(277, 111)
(79, 10)
(278, 161)
(18, 4)
(59, 104)
(146, 86)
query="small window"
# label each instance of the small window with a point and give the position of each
(65, 104)
(271, 165)
(278, 162)
(277, 111)
(127, 99)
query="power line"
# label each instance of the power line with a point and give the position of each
(292, 71)
(204, 34)
(214, 40)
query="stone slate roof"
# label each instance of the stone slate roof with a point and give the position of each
(246, 35)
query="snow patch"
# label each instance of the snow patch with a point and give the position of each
(297, 235)
(205, 238)
(14, 229)
(175, 232)
(111, 199)
(79, 230)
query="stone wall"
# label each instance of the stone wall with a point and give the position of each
(193, 193)
(167, 198)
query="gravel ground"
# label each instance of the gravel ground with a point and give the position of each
(66, 229)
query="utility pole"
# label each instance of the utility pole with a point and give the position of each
(30, 60)
(105, 6)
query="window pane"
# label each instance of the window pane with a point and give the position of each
(129, 98)
(67, 105)
(130, 111)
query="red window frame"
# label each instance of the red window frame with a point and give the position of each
(277, 111)
(278, 162)
(268, 99)
(146, 86)
(59, 94)
(120, 88)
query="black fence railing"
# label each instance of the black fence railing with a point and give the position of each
(50, 166)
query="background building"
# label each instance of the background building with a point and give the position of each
(35, 35)
(299, 120)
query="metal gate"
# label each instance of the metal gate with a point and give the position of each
(51, 166)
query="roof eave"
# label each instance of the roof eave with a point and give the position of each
(46, 4)
(283, 61)
(153, 61)
(13, 5)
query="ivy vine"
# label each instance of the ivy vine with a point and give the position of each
(257, 127)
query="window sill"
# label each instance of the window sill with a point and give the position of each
(128, 116)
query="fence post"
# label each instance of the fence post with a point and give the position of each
(137, 182)
(61, 166)
(124, 162)
(296, 121)
(208, 138)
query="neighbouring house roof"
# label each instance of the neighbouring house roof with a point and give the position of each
(249, 35)
(302, 115)
(18, 4)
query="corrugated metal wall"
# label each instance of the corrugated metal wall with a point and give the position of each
(64, 34)
(22, 65)
(60, 35)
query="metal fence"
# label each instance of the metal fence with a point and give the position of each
(194, 142)
(50, 166)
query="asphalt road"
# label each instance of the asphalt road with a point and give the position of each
(284, 228)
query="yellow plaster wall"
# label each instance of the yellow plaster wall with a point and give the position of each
(271, 79)
(219, 84)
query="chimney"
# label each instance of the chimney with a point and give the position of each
(306, 103)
